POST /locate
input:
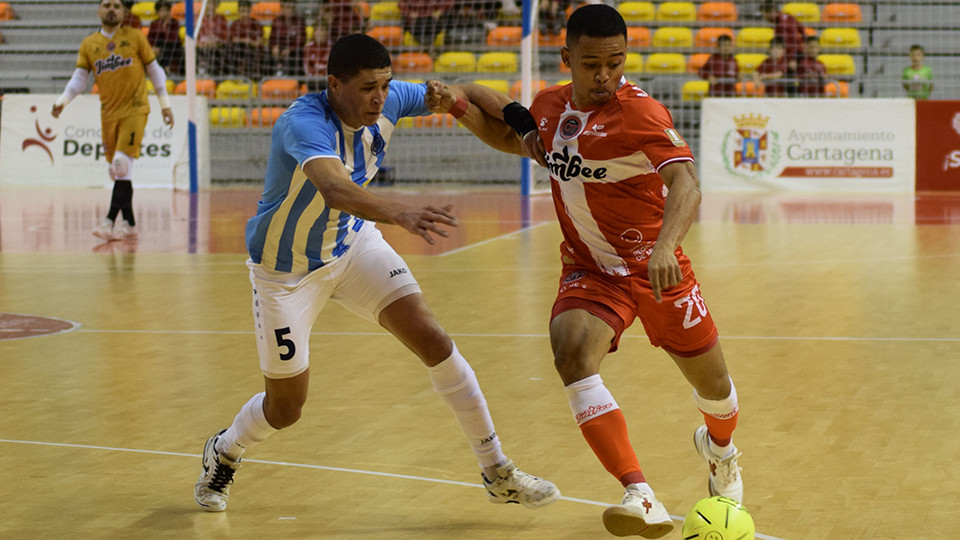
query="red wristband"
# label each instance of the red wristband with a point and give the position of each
(459, 108)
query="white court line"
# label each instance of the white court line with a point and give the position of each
(315, 467)
(495, 238)
(537, 336)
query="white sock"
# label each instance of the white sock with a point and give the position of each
(454, 380)
(720, 408)
(642, 486)
(589, 398)
(249, 428)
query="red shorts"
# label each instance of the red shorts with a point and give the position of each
(680, 324)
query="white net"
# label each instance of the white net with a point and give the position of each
(252, 66)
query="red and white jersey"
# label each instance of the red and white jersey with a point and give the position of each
(603, 174)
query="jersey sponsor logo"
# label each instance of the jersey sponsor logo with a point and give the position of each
(950, 161)
(567, 167)
(111, 63)
(543, 123)
(955, 123)
(596, 131)
(490, 439)
(573, 276)
(570, 128)
(642, 249)
(397, 272)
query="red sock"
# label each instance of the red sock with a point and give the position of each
(607, 436)
(721, 429)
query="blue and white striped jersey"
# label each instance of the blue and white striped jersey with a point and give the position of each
(294, 230)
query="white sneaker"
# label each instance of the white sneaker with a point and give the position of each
(104, 231)
(724, 472)
(124, 231)
(213, 488)
(516, 486)
(639, 513)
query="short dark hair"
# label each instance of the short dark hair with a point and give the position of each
(244, 4)
(808, 39)
(355, 52)
(160, 4)
(916, 48)
(724, 37)
(595, 20)
(778, 41)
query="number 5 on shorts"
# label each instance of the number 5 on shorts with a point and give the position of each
(284, 342)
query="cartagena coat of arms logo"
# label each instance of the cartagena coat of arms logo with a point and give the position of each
(751, 150)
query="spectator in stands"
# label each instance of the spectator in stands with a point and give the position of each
(164, 37)
(341, 18)
(553, 16)
(211, 42)
(245, 39)
(721, 69)
(918, 78)
(287, 39)
(129, 19)
(773, 70)
(787, 28)
(424, 19)
(811, 72)
(315, 56)
(483, 11)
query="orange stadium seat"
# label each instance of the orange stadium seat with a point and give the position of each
(388, 35)
(264, 116)
(6, 12)
(666, 63)
(179, 10)
(697, 61)
(280, 89)
(413, 62)
(707, 37)
(717, 11)
(673, 36)
(637, 11)
(805, 12)
(265, 12)
(515, 89)
(364, 8)
(837, 89)
(694, 90)
(677, 11)
(842, 13)
(550, 40)
(205, 87)
(638, 36)
(435, 121)
(145, 30)
(749, 89)
(505, 36)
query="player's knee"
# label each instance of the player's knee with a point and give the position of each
(121, 166)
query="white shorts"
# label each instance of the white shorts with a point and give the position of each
(368, 278)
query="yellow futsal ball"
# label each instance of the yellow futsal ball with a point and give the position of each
(718, 518)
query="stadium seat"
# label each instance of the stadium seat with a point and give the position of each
(516, 88)
(638, 36)
(840, 38)
(455, 62)
(717, 12)
(236, 89)
(227, 117)
(266, 32)
(170, 85)
(145, 11)
(500, 85)
(749, 63)
(754, 37)
(280, 89)
(637, 11)
(842, 13)
(677, 11)
(205, 87)
(182, 32)
(673, 36)
(694, 90)
(697, 61)
(497, 62)
(749, 89)
(265, 12)
(388, 35)
(805, 12)
(229, 10)
(385, 12)
(633, 63)
(838, 64)
(408, 40)
(413, 62)
(505, 36)
(6, 12)
(706, 37)
(550, 40)
(666, 63)
(264, 116)
(435, 121)
(838, 89)
(364, 8)
(145, 30)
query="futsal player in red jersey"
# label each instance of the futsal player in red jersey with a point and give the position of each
(626, 191)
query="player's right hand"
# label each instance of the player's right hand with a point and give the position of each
(57, 109)
(423, 221)
(534, 148)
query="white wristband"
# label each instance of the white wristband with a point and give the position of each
(164, 101)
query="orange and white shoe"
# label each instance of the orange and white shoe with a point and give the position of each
(638, 514)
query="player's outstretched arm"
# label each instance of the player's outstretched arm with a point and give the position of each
(475, 106)
(331, 180)
(75, 86)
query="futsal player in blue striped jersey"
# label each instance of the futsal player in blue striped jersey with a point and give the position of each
(314, 239)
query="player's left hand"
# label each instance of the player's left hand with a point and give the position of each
(663, 270)
(167, 116)
(439, 97)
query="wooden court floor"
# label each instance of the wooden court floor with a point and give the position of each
(838, 316)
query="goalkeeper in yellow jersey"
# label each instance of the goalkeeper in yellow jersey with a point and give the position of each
(118, 57)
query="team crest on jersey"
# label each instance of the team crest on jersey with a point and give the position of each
(111, 46)
(111, 63)
(573, 276)
(378, 144)
(570, 128)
